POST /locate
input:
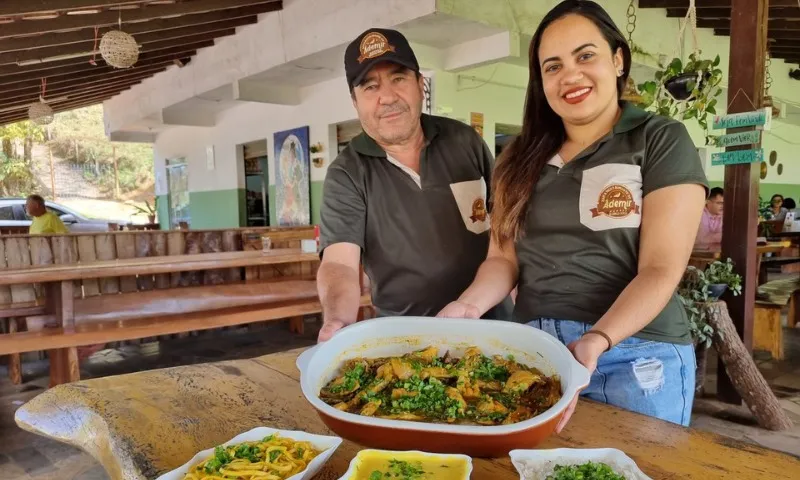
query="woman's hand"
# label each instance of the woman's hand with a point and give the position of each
(587, 351)
(459, 309)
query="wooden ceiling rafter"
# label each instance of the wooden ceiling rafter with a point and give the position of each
(60, 45)
(68, 73)
(67, 23)
(14, 105)
(86, 39)
(783, 28)
(75, 49)
(39, 70)
(57, 87)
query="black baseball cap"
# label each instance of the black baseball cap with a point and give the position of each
(374, 46)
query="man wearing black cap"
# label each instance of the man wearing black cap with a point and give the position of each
(409, 196)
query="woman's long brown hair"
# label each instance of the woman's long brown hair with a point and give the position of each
(521, 162)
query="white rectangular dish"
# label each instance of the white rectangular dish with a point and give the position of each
(538, 464)
(325, 444)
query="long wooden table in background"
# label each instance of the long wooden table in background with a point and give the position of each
(153, 265)
(142, 425)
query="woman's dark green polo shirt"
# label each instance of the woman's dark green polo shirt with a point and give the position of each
(581, 242)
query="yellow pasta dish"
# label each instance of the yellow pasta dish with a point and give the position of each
(272, 458)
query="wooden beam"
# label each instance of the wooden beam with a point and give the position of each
(108, 19)
(705, 3)
(777, 35)
(776, 13)
(38, 70)
(86, 49)
(80, 82)
(88, 71)
(740, 218)
(57, 107)
(12, 8)
(774, 25)
(86, 39)
(72, 92)
(22, 110)
(61, 108)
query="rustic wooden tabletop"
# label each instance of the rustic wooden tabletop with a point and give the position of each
(145, 424)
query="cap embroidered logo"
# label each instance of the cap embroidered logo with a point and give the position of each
(374, 44)
(478, 210)
(615, 201)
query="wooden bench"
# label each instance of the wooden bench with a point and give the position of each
(166, 302)
(772, 297)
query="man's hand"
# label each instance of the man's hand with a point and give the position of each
(459, 309)
(338, 286)
(328, 329)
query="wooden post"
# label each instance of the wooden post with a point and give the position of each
(116, 171)
(52, 174)
(740, 219)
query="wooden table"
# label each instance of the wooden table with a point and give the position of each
(58, 281)
(144, 424)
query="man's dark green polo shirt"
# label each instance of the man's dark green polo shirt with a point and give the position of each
(422, 237)
(581, 243)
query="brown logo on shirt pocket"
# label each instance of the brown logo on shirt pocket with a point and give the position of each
(615, 201)
(478, 210)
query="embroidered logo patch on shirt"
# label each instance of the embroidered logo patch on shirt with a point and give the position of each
(478, 210)
(611, 197)
(615, 201)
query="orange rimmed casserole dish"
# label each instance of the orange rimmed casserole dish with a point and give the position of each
(400, 335)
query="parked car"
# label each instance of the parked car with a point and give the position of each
(13, 216)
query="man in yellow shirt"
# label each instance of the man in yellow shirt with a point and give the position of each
(44, 221)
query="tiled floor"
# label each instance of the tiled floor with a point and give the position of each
(25, 456)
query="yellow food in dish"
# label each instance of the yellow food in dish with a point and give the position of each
(422, 386)
(272, 458)
(408, 466)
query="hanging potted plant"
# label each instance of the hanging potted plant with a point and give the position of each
(693, 293)
(721, 277)
(685, 91)
(697, 289)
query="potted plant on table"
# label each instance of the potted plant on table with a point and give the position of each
(150, 211)
(685, 91)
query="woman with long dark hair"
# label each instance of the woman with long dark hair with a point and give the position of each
(597, 204)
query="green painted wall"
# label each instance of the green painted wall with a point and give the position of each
(316, 200)
(217, 208)
(767, 190)
(162, 211)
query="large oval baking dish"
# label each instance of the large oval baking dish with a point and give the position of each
(399, 335)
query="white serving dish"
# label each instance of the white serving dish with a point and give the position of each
(548, 459)
(399, 335)
(325, 444)
(355, 461)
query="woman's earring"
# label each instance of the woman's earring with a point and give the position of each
(620, 73)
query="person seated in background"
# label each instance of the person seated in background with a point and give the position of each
(44, 221)
(709, 235)
(789, 204)
(777, 207)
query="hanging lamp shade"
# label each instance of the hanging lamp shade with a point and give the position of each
(631, 94)
(40, 113)
(119, 49)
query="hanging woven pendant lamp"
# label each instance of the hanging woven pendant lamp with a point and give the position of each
(40, 112)
(119, 49)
